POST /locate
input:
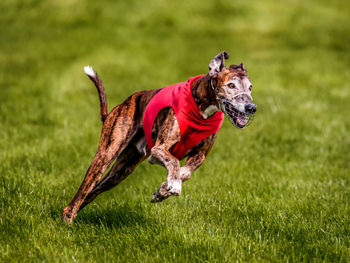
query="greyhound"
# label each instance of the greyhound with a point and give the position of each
(129, 135)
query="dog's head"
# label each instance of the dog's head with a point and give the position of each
(232, 89)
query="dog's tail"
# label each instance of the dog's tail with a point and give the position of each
(91, 73)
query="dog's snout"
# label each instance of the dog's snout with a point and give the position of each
(250, 108)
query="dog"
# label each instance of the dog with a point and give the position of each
(165, 132)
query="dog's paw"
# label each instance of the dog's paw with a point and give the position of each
(67, 216)
(174, 187)
(157, 198)
(161, 194)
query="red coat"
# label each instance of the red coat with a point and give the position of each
(193, 127)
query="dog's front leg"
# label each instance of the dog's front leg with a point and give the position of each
(192, 163)
(169, 187)
(173, 184)
(196, 157)
(168, 135)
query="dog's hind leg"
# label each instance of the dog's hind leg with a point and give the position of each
(118, 130)
(121, 169)
(98, 166)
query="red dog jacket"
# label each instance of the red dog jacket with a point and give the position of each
(193, 127)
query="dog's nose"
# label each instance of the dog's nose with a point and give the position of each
(250, 108)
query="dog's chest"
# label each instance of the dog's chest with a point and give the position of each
(193, 127)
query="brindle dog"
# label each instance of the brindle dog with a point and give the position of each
(123, 141)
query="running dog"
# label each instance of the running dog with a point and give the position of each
(166, 125)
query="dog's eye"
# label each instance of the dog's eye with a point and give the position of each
(250, 88)
(231, 86)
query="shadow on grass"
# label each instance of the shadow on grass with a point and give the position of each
(114, 217)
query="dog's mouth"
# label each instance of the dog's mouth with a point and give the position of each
(238, 118)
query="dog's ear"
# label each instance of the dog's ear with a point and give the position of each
(217, 64)
(240, 66)
(243, 67)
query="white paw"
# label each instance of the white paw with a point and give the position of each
(174, 187)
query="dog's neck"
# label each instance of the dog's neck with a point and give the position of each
(204, 96)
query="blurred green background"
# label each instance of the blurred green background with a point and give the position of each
(276, 191)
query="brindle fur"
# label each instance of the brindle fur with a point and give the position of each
(122, 140)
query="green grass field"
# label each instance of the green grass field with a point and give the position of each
(277, 191)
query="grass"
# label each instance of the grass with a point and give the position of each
(277, 191)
